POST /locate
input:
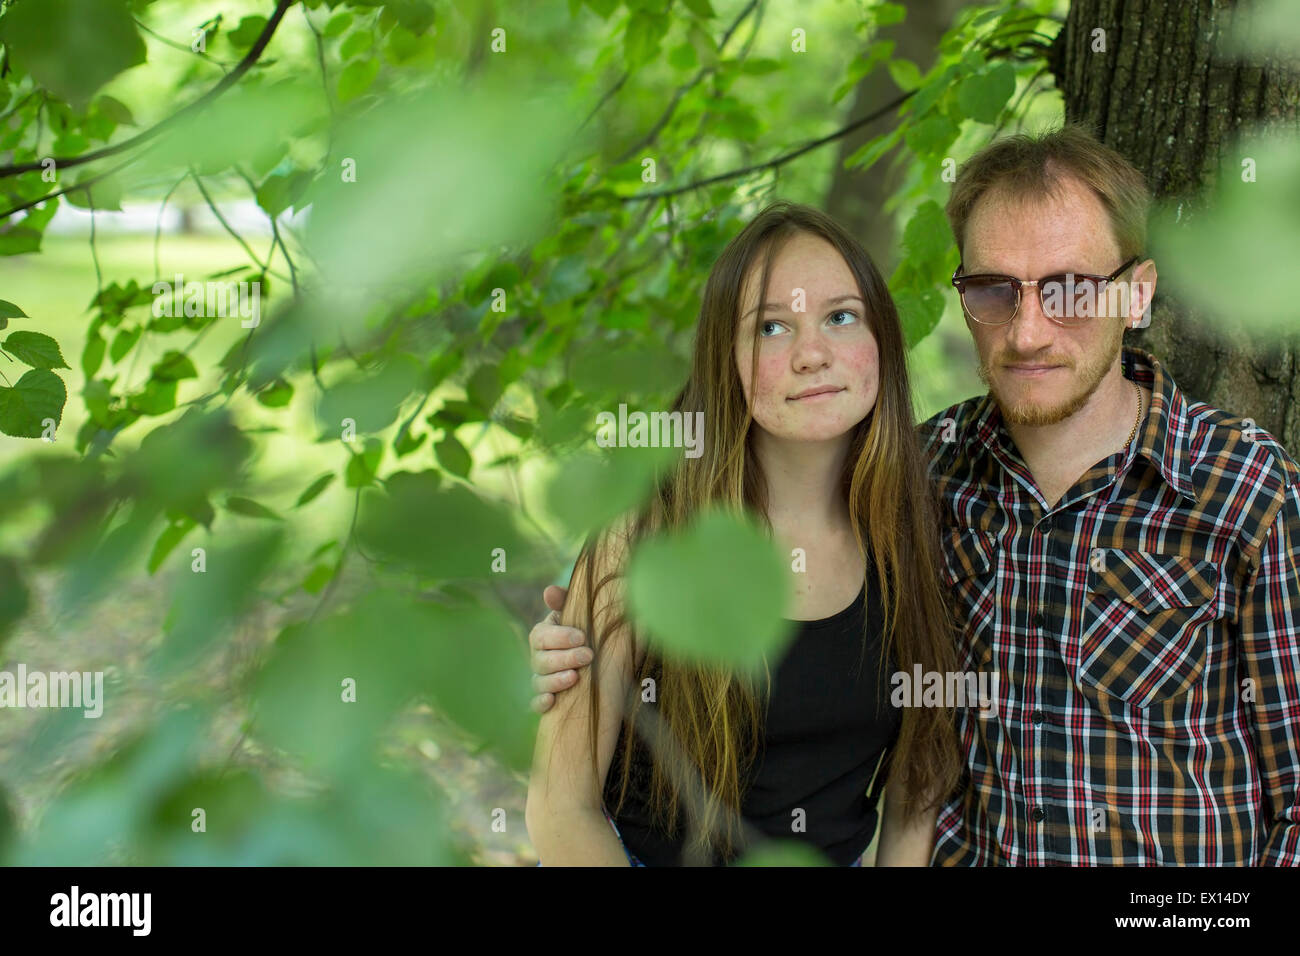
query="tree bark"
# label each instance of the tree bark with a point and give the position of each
(1164, 96)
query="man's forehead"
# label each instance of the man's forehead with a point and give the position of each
(1066, 228)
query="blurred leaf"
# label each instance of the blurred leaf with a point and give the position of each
(250, 508)
(1256, 201)
(361, 469)
(276, 395)
(174, 366)
(205, 603)
(92, 356)
(72, 47)
(783, 853)
(124, 341)
(171, 536)
(675, 584)
(246, 34)
(14, 599)
(589, 491)
(417, 510)
(315, 488)
(453, 456)
(371, 400)
(645, 29)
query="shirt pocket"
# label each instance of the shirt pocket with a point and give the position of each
(970, 566)
(1145, 641)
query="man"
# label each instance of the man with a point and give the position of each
(1126, 561)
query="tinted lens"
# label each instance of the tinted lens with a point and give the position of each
(989, 300)
(1071, 299)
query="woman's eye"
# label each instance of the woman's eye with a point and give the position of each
(763, 328)
(851, 317)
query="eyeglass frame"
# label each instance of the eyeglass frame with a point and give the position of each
(959, 280)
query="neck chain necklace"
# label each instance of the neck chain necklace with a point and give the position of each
(1137, 421)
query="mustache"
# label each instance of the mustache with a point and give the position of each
(1006, 359)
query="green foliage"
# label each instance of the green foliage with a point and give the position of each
(700, 606)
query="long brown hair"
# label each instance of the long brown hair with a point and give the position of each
(714, 717)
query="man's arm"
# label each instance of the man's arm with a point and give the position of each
(1270, 656)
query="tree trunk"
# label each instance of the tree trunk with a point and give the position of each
(1164, 97)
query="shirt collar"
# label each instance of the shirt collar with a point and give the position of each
(1163, 438)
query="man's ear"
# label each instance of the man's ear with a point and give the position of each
(1142, 288)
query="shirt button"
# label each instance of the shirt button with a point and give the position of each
(1040, 620)
(1038, 814)
(1038, 716)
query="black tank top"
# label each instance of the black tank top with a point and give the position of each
(829, 724)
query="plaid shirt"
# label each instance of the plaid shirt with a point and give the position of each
(1144, 632)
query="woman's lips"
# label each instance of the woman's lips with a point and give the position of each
(820, 393)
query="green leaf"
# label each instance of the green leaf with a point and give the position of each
(315, 488)
(19, 240)
(453, 456)
(356, 78)
(92, 356)
(927, 235)
(246, 34)
(887, 14)
(14, 598)
(276, 395)
(906, 74)
(701, 8)
(358, 41)
(784, 852)
(35, 349)
(982, 95)
(72, 47)
(641, 41)
(932, 136)
(416, 15)
(173, 367)
(250, 508)
(10, 311)
(362, 468)
(279, 191)
(115, 110)
(676, 585)
(104, 195)
(37, 396)
(484, 387)
(417, 509)
(156, 398)
(871, 151)
(123, 342)
(338, 24)
(319, 576)
(589, 491)
(167, 541)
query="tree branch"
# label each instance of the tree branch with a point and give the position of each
(227, 81)
(777, 161)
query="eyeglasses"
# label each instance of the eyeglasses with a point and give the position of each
(1068, 299)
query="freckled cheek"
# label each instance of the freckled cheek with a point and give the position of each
(862, 367)
(769, 396)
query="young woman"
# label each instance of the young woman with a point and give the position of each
(800, 371)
